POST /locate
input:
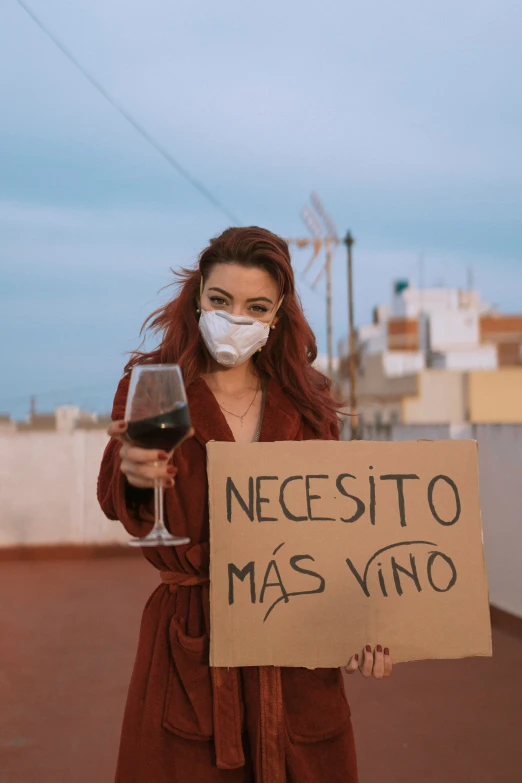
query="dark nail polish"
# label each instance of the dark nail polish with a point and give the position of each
(356, 657)
(122, 425)
(171, 470)
(379, 648)
(162, 455)
(170, 483)
(368, 648)
(386, 651)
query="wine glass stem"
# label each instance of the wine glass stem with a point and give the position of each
(159, 523)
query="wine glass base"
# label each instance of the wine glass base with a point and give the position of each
(159, 540)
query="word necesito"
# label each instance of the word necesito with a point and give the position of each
(316, 490)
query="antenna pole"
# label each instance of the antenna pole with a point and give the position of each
(329, 330)
(349, 241)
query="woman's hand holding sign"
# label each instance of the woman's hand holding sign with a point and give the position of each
(376, 664)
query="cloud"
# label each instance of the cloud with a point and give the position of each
(45, 240)
(405, 116)
(408, 91)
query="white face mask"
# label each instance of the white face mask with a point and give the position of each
(232, 340)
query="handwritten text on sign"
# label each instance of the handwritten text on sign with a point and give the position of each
(329, 547)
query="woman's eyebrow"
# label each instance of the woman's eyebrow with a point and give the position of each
(260, 299)
(253, 299)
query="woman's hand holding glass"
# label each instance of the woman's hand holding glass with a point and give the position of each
(142, 467)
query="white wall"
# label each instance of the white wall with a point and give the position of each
(456, 329)
(399, 363)
(500, 458)
(412, 301)
(483, 357)
(48, 489)
(403, 432)
(373, 338)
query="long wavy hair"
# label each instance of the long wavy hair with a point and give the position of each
(291, 349)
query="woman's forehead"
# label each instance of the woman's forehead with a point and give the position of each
(240, 281)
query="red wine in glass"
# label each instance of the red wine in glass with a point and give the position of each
(158, 418)
(164, 431)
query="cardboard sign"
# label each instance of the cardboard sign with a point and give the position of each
(319, 548)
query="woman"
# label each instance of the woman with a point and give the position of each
(183, 720)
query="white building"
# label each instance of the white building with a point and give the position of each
(416, 360)
(65, 418)
(433, 327)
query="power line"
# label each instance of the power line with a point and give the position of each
(127, 116)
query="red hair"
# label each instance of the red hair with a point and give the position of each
(291, 349)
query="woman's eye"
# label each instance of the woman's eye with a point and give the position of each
(259, 309)
(217, 300)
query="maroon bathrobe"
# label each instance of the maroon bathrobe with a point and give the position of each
(184, 721)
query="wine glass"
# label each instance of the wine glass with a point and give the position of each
(157, 417)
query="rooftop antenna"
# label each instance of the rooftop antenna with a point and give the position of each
(323, 234)
(331, 241)
(314, 227)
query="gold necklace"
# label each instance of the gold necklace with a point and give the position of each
(236, 415)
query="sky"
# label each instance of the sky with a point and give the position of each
(405, 117)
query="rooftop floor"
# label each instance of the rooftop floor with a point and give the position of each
(68, 637)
